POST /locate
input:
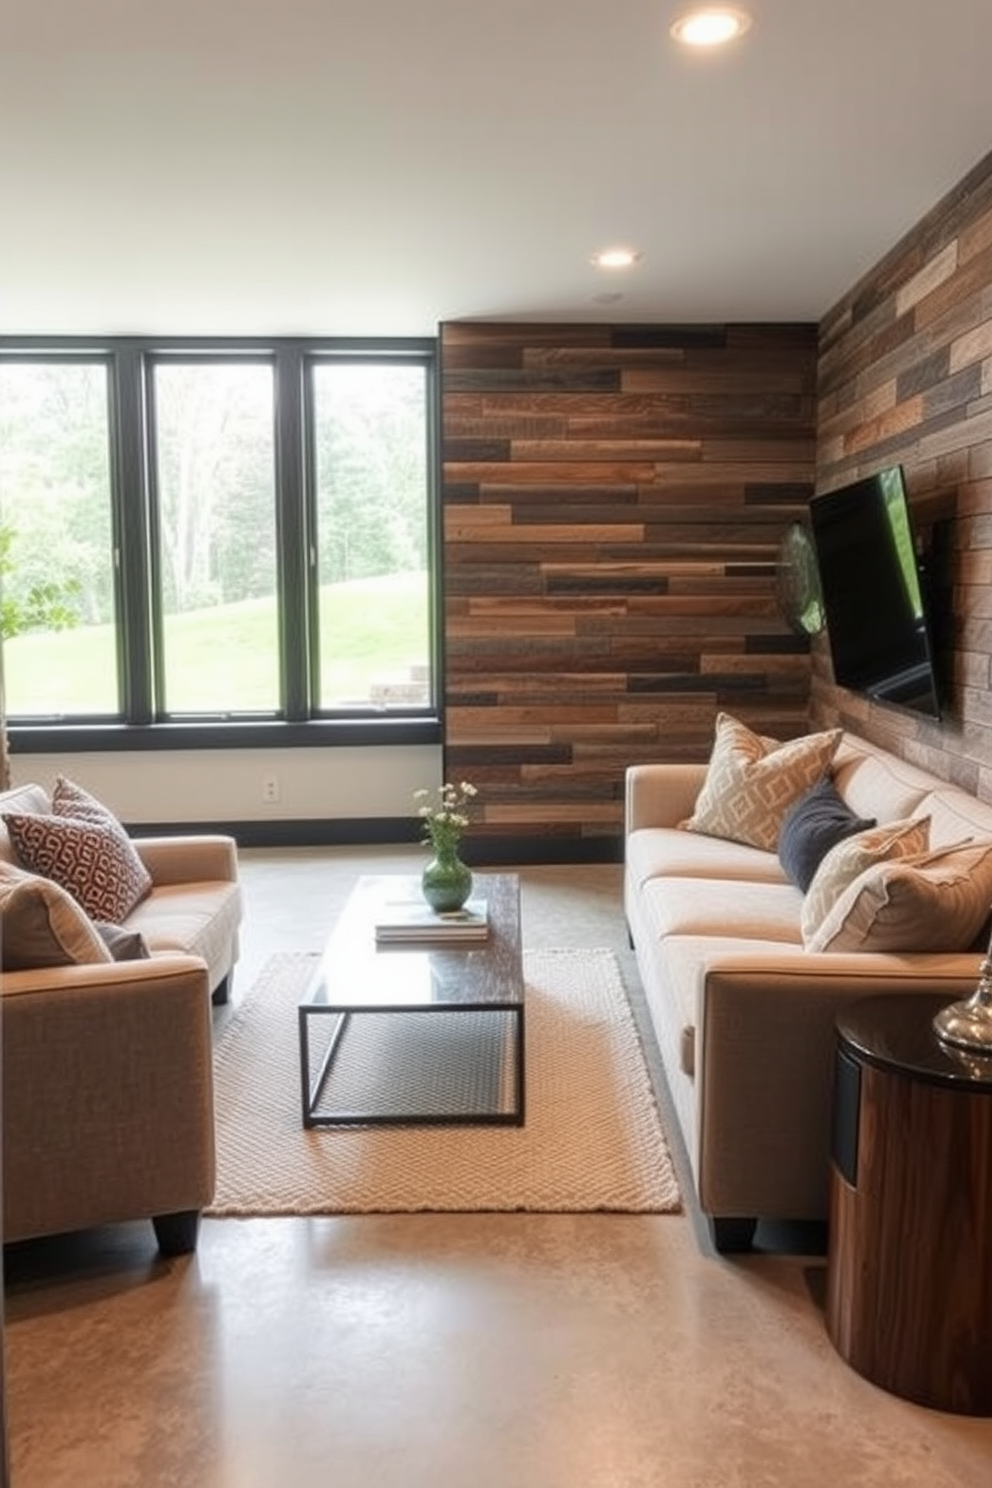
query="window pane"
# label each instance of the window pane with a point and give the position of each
(217, 537)
(370, 440)
(56, 541)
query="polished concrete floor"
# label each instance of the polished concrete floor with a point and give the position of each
(446, 1351)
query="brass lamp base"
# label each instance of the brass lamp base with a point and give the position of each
(967, 1024)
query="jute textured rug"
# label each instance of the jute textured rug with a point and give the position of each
(592, 1140)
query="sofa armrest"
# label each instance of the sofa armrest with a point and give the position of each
(102, 979)
(765, 1046)
(192, 858)
(108, 1094)
(661, 795)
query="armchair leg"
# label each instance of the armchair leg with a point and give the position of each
(221, 992)
(177, 1233)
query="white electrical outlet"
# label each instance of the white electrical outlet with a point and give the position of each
(270, 788)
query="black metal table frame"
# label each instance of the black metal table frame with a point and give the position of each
(312, 1088)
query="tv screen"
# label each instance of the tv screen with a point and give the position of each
(877, 623)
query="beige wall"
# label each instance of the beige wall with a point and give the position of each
(226, 785)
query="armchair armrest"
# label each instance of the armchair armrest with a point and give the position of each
(157, 975)
(192, 858)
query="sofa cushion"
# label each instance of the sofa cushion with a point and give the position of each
(42, 925)
(817, 822)
(201, 919)
(96, 862)
(750, 783)
(845, 863)
(709, 907)
(669, 852)
(935, 902)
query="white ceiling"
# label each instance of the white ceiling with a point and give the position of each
(374, 167)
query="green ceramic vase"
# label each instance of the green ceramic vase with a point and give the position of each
(446, 882)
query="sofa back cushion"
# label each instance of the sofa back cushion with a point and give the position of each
(25, 799)
(955, 816)
(877, 784)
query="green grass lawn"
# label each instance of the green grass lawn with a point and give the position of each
(225, 659)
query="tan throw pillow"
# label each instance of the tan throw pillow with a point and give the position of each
(98, 864)
(847, 861)
(752, 781)
(937, 902)
(42, 925)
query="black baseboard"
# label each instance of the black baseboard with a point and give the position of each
(495, 852)
(478, 851)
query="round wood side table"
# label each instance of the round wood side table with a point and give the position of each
(909, 1264)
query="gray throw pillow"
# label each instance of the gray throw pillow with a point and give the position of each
(123, 944)
(817, 822)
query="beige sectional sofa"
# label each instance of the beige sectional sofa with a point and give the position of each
(743, 1012)
(107, 1065)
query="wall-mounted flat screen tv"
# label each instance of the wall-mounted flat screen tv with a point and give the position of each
(878, 627)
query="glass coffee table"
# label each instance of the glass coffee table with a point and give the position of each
(416, 1033)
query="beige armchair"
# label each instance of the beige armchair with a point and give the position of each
(108, 1098)
(107, 1066)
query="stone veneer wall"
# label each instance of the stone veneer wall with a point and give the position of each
(613, 501)
(905, 375)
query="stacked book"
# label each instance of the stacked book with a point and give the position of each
(406, 920)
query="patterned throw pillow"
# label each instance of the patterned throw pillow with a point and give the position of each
(96, 862)
(816, 823)
(751, 782)
(42, 925)
(69, 799)
(937, 902)
(845, 863)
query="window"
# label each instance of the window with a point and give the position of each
(373, 633)
(57, 611)
(217, 535)
(215, 523)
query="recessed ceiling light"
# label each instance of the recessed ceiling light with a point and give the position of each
(616, 258)
(711, 25)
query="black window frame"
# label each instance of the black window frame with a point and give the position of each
(130, 363)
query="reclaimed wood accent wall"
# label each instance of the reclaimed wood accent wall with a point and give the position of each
(905, 376)
(613, 499)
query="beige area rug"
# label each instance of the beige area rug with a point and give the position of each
(592, 1140)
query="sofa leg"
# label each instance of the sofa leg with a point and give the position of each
(221, 992)
(177, 1233)
(732, 1235)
